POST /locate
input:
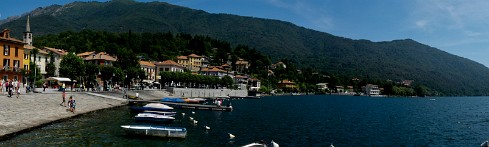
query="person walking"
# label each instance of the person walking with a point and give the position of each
(64, 99)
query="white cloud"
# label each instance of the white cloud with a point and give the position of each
(304, 9)
(470, 18)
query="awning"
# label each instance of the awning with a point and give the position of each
(147, 81)
(59, 79)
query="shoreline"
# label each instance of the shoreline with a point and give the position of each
(36, 110)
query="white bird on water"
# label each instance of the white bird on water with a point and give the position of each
(207, 127)
(191, 118)
(193, 112)
(231, 136)
(183, 114)
(274, 144)
(195, 122)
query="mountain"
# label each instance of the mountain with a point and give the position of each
(395, 60)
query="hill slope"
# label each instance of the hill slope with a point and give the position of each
(396, 60)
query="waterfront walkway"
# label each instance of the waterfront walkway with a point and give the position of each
(33, 110)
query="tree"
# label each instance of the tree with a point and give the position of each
(72, 66)
(227, 81)
(50, 67)
(34, 76)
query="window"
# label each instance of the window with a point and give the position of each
(16, 51)
(167, 69)
(6, 50)
(26, 67)
(6, 63)
(5, 77)
(16, 63)
(39, 59)
(26, 56)
(46, 59)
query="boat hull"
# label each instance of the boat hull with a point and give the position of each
(157, 131)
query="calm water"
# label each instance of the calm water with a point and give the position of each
(292, 121)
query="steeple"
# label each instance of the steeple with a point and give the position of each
(28, 27)
(28, 33)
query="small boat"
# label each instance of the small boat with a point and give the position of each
(165, 113)
(158, 131)
(152, 107)
(153, 117)
(194, 100)
(255, 145)
(173, 100)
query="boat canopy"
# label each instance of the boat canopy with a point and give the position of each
(174, 100)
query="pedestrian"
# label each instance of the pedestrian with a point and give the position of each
(18, 92)
(44, 86)
(64, 99)
(63, 87)
(72, 104)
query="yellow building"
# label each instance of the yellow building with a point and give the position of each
(191, 62)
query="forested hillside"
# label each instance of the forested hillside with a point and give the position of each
(333, 55)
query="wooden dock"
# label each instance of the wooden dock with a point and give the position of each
(188, 106)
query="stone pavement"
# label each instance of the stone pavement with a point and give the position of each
(36, 109)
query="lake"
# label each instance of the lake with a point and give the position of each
(318, 120)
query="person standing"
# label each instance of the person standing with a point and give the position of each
(63, 87)
(64, 99)
(72, 104)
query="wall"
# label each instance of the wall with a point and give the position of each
(194, 92)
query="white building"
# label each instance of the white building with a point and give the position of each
(371, 89)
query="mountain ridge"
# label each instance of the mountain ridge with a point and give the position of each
(395, 60)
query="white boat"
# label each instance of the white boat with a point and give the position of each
(157, 106)
(161, 112)
(159, 131)
(153, 117)
(255, 145)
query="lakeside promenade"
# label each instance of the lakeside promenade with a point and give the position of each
(33, 110)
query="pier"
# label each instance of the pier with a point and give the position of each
(188, 106)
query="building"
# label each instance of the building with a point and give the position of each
(286, 84)
(214, 71)
(42, 59)
(100, 58)
(12, 56)
(57, 57)
(149, 68)
(322, 86)
(191, 62)
(168, 65)
(254, 84)
(371, 89)
(242, 65)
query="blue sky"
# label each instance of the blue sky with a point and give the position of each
(457, 27)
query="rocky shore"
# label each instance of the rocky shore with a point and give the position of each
(34, 110)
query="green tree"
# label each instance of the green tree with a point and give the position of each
(227, 81)
(72, 66)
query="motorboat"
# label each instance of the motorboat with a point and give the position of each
(158, 131)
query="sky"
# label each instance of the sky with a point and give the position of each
(459, 27)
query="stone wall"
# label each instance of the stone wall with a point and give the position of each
(195, 92)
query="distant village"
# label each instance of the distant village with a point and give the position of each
(18, 54)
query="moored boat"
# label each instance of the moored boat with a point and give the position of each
(153, 117)
(152, 107)
(161, 112)
(158, 131)
(173, 100)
